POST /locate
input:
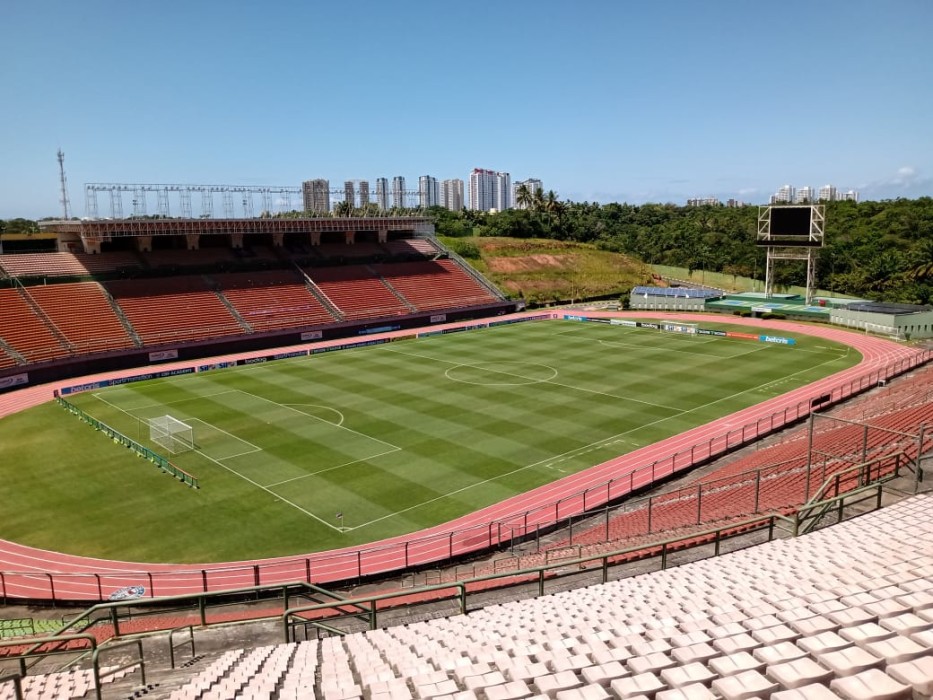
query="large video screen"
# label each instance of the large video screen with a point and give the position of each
(790, 221)
(789, 227)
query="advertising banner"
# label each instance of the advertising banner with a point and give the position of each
(161, 355)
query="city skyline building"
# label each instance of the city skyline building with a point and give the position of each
(451, 194)
(364, 193)
(490, 190)
(315, 196)
(349, 193)
(398, 192)
(427, 191)
(382, 193)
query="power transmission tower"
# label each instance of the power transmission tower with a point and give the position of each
(64, 183)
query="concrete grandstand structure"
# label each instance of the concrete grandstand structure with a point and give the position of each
(118, 290)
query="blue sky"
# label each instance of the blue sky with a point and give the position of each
(606, 101)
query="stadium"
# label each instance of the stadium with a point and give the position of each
(337, 424)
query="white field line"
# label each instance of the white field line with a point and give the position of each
(687, 352)
(485, 368)
(571, 453)
(271, 493)
(163, 403)
(330, 469)
(308, 415)
(242, 476)
(255, 448)
(318, 405)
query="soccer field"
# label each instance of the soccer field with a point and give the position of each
(347, 447)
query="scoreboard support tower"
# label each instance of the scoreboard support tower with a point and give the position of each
(791, 232)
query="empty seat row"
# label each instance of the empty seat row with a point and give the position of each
(846, 612)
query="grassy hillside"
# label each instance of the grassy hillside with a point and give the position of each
(542, 271)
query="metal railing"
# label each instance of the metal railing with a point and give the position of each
(34, 651)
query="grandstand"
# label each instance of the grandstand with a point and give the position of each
(205, 287)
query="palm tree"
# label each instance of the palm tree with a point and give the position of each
(523, 197)
(538, 200)
(343, 209)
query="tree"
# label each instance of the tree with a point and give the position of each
(523, 197)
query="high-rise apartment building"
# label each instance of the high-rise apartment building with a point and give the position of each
(451, 195)
(804, 195)
(503, 191)
(533, 186)
(427, 191)
(785, 195)
(349, 193)
(364, 193)
(827, 193)
(315, 196)
(398, 192)
(382, 193)
(490, 190)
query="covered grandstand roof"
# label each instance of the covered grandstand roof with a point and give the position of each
(683, 292)
(879, 307)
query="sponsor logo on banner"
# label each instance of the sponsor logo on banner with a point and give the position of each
(643, 324)
(379, 329)
(708, 331)
(170, 373)
(254, 360)
(776, 339)
(15, 380)
(622, 322)
(160, 355)
(312, 335)
(286, 355)
(747, 336)
(438, 318)
(217, 365)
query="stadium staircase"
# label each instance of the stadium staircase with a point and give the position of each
(124, 321)
(319, 294)
(395, 292)
(25, 331)
(473, 272)
(227, 303)
(82, 314)
(38, 311)
(357, 292)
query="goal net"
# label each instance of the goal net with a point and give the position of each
(678, 327)
(171, 434)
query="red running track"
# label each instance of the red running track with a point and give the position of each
(27, 572)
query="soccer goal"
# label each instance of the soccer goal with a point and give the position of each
(172, 434)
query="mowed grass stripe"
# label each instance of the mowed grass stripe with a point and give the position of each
(461, 446)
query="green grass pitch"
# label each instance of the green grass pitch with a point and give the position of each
(394, 437)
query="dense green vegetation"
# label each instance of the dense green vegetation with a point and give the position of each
(396, 437)
(881, 250)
